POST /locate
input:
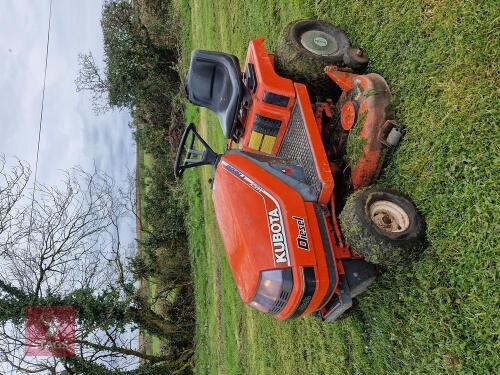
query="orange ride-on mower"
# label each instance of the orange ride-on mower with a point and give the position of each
(298, 163)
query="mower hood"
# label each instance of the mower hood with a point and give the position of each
(256, 212)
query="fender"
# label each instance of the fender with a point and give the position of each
(364, 108)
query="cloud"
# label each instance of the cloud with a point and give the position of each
(71, 133)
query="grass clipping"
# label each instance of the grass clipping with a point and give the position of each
(356, 144)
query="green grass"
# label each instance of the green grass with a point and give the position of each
(144, 160)
(436, 316)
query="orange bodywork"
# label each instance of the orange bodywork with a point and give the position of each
(235, 193)
(267, 81)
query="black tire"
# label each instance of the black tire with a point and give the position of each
(307, 46)
(382, 226)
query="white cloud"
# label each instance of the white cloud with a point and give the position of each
(71, 133)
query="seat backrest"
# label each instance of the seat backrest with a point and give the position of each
(214, 82)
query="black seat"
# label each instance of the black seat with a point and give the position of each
(214, 82)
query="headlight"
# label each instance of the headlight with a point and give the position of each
(273, 290)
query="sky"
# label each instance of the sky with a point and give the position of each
(72, 135)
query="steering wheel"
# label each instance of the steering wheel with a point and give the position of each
(193, 157)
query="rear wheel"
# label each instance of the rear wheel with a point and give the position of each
(306, 47)
(382, 226)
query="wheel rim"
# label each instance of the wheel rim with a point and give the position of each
(319, 42)
(389, 216)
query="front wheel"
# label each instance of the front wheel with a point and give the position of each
(307, 46)
(382, 226)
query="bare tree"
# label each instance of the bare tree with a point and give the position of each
(90, 78)
(13, 182)
(65, 247)
(64, 230)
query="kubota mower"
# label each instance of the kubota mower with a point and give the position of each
(307, 135)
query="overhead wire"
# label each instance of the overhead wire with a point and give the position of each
(40, 124)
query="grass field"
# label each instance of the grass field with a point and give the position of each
(439, 315)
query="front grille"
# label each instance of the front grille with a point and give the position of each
(285, 291)
(309, 278)
(330, 263)
(295, 145)
(280, 303)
